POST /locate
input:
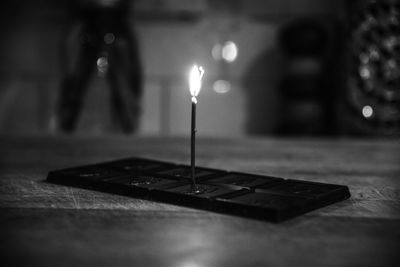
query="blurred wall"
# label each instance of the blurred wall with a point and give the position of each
(173, 35)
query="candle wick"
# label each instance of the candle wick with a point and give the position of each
(194, 99)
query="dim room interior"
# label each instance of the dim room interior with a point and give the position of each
(200, 132)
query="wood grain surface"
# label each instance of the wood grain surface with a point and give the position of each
(42, 224)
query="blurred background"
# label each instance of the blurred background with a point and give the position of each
(272, 67)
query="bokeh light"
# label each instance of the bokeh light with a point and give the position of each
(367, 111)
(229, 51)
(216, 52)
(222, 86)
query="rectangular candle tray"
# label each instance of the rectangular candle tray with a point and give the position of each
(249, 195)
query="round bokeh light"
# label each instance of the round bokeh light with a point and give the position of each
(222, 86)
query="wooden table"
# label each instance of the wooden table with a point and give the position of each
(46, 225)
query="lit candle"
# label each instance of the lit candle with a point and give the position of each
(195, 76)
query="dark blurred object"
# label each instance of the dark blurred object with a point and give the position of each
(373, 98)
(310, 84)
(106, 41)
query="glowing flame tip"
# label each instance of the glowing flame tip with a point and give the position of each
(195, 76)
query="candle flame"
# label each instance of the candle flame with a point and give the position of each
(195, 76)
